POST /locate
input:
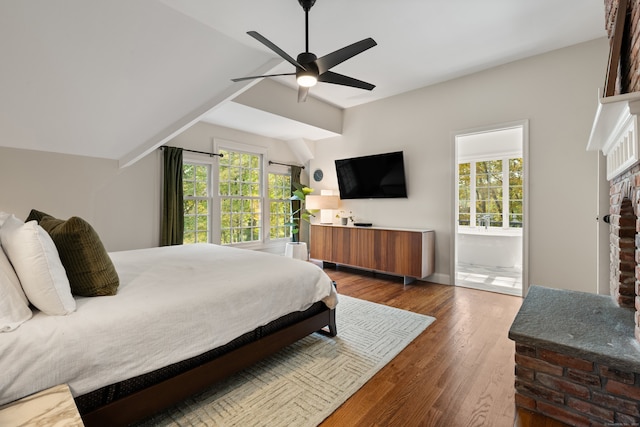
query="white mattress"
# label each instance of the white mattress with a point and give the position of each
(173, 303)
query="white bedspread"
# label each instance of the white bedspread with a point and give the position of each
(173, 303)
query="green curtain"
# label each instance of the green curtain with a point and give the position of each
(172, 225)
(296, 171)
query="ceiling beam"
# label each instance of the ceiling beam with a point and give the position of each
(179, 126)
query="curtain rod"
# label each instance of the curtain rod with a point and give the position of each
(198, 152)
(284, 164)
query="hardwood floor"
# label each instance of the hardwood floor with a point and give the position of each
(459, 372)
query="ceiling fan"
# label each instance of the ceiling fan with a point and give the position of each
(309, 68)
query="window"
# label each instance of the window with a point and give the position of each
(197, 201)
(464, 194)
(240, 191)
(279, 205)
(490, 193)
(515, 193)
(225, 198)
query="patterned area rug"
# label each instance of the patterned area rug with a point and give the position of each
(304, 383)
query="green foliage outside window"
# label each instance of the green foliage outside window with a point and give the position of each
(464, 194)
(280, 205)
(195, 185)
(515, 192)
(241, 200)
(489, 193)
(240, 190)
(481, 193)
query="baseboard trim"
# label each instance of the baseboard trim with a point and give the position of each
(439, 278)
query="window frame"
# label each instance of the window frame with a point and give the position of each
(221, 145)
(277, 170)
(215, 217)
(506, 195)
(192, 160)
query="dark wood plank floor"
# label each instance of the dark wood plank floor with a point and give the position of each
(459, 372)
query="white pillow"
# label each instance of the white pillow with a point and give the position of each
(9, 274)
(3, 217)
(36, 261)
(14, 307)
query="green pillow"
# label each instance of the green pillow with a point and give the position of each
(36, 215)
(88, 265)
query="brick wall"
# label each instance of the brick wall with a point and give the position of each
(575, 391)
(624, 268)
(625, 261)
(624, 190)
(629, 70)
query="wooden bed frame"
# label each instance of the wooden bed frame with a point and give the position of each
(143, 403)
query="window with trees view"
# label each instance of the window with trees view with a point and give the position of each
(515, 192)
(490, 193)
(240, 191)
(234, 199)
(197, 201)
(279, 205)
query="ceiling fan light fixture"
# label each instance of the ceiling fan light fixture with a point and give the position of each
(307, 80)
(309, 68)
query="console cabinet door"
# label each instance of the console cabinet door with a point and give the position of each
(321, 243)
(362, 253)
(398, 252)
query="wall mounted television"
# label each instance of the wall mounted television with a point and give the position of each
(372, 177)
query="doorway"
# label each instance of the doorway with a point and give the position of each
(490, 221)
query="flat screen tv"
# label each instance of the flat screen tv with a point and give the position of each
(372, 177)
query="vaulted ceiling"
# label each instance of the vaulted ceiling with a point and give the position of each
(115, 79)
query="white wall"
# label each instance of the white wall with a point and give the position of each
(123, 205)
(556, 92)
(199, 137)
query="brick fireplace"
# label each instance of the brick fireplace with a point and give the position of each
(619, 141)
(624, 184)
(615, 133)
(623, 231)
(578, 354)
(576, 358)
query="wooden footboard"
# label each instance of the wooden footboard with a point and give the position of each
(146, 402)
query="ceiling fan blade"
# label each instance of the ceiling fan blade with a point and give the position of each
(302, 93)
(339, 79)
(274, 48)
(332, 59)
(239, 79)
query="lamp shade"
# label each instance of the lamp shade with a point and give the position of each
(321, 202)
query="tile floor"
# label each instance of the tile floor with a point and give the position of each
(495, 279)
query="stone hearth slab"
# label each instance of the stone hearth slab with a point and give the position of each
(583, 325)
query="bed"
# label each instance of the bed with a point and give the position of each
(183, 318)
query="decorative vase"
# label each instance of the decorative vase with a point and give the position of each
(344, 221)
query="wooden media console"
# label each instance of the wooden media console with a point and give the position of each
(404, 252)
